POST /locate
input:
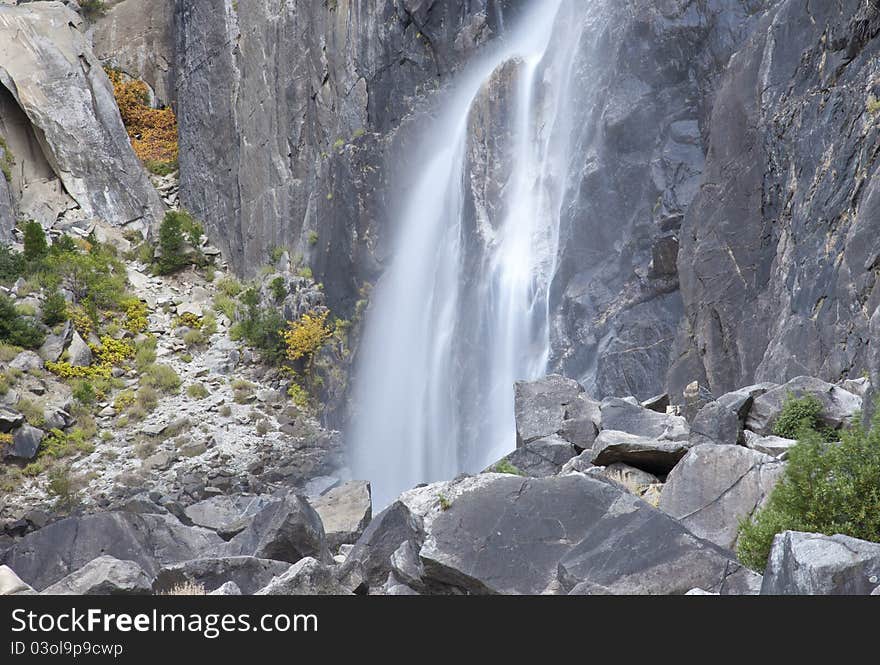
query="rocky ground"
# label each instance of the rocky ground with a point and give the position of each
(611, 497)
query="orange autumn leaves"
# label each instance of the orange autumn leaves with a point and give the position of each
(153, 132)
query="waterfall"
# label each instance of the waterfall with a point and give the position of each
(462, 311)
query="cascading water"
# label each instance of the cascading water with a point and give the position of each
(462, 312)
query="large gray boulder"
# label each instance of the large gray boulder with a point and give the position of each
(9, 420)
(815, 564)
(716, 423)
(308, 577)
(775, 446)
(227, 514)
(43, 557)
(54, 345)
(285, 530)
(78, 352)
(25, 443)
(716, 486)
(623, 416)
(544, 457)
(552, 406)
(839, 407)
(248, 573)
(48, 68)
(387, 531)
(104, 576)
(657, 456)
(505, 534)
(345, 512)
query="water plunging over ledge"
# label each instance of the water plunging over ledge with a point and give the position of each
(462, 311)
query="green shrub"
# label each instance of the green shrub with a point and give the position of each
(798, 415)
(16, 329)
(12, 265)
(172, 243)
(313, 237)
(229, 286)
(7, 160)
(146, 399)
(505, 466)
(55, 308)
(84, 392)
(826, 488)
(194, 337)
(197, 391)
(145, 353)
(35, 245)
(95, 277)
(162, 378)
(278, 288)
(93, 9)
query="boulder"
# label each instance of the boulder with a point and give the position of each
(308, 577)
(227, 589)
(406, 566)
(227, 514)
(658, 403)
(839, 407)
(657, 456)
(104, 576)
(12, 585)
(54, 345)
(583, 463)
(78, 352)
(714, 487)
(815, 564)
(716, 423)
(544, 457)
(387, 531)
(507, 534)
(9, 420)
(43, 557)
(623, 416)
(860, 387)
(554, 405)
(288, 529)
(27, 361)
(345, 512)
(26, 442)
(769, 445)
(740, 401)
(248, 573)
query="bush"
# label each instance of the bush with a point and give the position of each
(800, 415)
(278, 288)
(35, 246)
(12, 265)
(171, 240)
(84, 392)
(162, 378)
(306, 336)
(826, 488)
(16, 329)
(194, 337)
(197, 391)
(55, 308)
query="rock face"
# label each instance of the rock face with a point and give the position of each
(137, 38)
(813, 564)
(104, 576)
(43, 557)
(779, 249)
(716, 486)
(504, 534)
(50, 76)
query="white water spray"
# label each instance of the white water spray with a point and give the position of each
(462, 312)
